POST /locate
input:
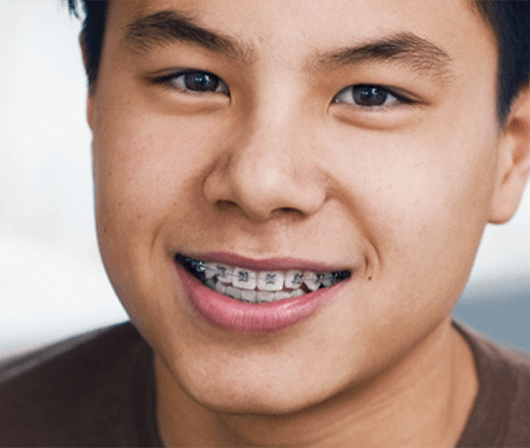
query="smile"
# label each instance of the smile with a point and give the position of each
(258, 287)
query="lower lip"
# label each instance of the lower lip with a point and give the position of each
(240, 317)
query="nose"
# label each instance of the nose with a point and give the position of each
(270, 168)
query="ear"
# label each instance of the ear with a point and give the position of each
(514, 161)
(90, 105)
(84, 53)
(89, 110)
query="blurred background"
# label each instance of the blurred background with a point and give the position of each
(52, 283)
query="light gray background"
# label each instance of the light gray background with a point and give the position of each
(52, 284)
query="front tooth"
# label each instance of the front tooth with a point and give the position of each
(270, 281)
(265, 296)
(211, 283)
(312, 280)
(244, 278)
(248, 296)
(223, 272)
(235, 293)
(294, 279)
(281, 295)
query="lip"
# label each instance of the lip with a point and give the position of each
(235, 316)
(268, 264)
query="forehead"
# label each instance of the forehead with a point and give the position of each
(306, 14)
(289, 25)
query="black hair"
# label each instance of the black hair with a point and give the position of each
(92, 33)
(509, 20)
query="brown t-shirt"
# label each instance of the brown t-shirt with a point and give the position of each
(98, 389)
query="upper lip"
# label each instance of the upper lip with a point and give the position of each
(267, 264)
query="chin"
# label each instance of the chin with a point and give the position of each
(228, 391)
(254, 400)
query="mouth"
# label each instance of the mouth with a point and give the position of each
(243, 299)
(259, 287)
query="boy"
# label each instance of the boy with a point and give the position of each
(289, 198)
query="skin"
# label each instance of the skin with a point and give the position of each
(400, 194)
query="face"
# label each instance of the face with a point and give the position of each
(354, 136)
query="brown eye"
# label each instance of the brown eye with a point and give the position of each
(368, 96)
(194, 81)
(201, 81)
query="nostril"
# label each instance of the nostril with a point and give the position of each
(289, 210)
(224, 205)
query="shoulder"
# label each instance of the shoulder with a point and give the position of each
(72, 391)
(501, 414)
(17, 365)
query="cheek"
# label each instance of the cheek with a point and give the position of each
(147, 159)
(147, 167)
(147, 173)
(421, 201)
(421, 205)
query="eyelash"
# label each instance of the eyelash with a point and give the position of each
(170, 81)
(365, 90)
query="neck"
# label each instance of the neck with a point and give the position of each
(423, 399)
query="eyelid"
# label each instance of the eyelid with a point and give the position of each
(400, 99)
(167, 78)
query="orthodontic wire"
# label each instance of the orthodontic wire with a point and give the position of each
(201, 266)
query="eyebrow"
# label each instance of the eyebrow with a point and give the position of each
(405, 48)
(166, 27)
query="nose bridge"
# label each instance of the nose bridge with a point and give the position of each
(274, 133)
(269, 167)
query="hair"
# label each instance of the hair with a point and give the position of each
(92, 33)
(508, 19)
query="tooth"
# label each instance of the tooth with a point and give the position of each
(223, 272)
(281, 295)
(211, 283)
(294, 279)
(211, 270)
(327, 279)
(248, 296)
(270, 281)
(220, 287)
(265, 296)
(312, 280)
(235, 293)
(197, 265)
(244, 278)
(297, 293)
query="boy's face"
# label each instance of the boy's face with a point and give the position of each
(282, 160)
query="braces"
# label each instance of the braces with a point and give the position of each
(199, 269)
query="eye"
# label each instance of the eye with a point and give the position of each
(369, 96)
(194, 81)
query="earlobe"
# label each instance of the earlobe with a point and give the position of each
(514, 161)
